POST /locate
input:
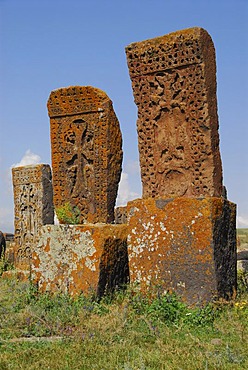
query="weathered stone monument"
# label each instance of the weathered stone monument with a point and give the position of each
(174, 85)
(182, 234)
(86, 161)
(33, 208)
(86, 151)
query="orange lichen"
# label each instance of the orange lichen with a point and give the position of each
(173, 244)
(174, 85)
(86, 151)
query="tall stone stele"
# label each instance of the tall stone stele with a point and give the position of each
(86, 151)
(174, 84)
(182, 234)
(33, 200)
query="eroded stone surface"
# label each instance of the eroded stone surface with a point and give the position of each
(121, 215)
(85, 258)
(186, 245)
(86, 151)
(174, 84)
(33, 199)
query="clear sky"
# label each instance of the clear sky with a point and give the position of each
(45, 45)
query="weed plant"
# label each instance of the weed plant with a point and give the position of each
(67, 214)
(5, 265)
(125, 331)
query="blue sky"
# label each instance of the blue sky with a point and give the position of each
(45, 45)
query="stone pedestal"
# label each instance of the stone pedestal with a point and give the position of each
(81, 259)
(186, 245)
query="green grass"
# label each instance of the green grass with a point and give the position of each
(125, 332)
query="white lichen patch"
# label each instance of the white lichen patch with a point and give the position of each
(146, 226)
(148, 280)
(162, 226)
(134, 231)
(133, 210)
(67, 246)
(138, 276)
(136, 250)
(181, 284)
(90, 263)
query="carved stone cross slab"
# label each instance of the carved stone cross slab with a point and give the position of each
(174, 84)
(86, 151)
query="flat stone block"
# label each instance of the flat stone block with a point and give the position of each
(242, 254)
(242, 265)
(186, 245)
(81, 258)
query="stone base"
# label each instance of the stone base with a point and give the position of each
(20, 258)
(242, 265)
(80, 259)
(16, 274)
(186, 245)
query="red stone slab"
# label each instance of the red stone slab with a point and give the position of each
(174, 85)
(86, 148)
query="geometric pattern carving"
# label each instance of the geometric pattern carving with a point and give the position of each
(174, 85)
(33, 201)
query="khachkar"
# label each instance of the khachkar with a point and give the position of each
(86, 151)
(174, 84)
(182, 234)
(33, 199)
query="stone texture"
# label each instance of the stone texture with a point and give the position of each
(2, 245)
(81, 259)
(33, 208)
(186, 245)
(86, 151)
(242, 254)
(121, 215)
(174, 84)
